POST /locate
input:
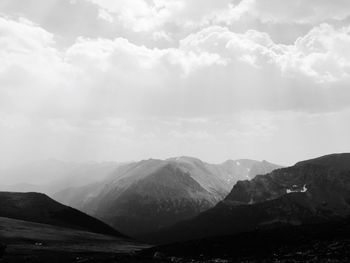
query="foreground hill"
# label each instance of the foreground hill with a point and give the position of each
(34, 242)
(145, 196)
(312, 191)
(314, 243)
(39, 208)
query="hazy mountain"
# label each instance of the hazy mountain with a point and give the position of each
(50, 176)
(311, 191)
(39, 208)
(145, 196)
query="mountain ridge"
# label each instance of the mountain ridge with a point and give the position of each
(304, 193)
(170, 190)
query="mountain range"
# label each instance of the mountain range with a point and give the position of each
(310, 192)
(143, 197)
(239, 210)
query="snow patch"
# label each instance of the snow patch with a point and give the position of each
(303, 190)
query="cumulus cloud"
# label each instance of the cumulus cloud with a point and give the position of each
(141, 15)
(323, 53)
(31, 69)
(181, 17)
(212, 71)
(100, 91)
(309, 11)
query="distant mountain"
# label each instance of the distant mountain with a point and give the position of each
(50, 176)
(39, 208)
(242, 169)
(145, 196)
(312, 191)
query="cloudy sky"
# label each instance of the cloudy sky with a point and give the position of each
(132, 79)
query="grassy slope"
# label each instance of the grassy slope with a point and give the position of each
(39, 208)
(58, 244)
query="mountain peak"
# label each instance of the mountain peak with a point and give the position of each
(184, 159)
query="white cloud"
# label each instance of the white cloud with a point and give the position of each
(161, 35)
(32, 70)
(142, 15)
(185, 16)
(139, 15)
(99, 92)
(323, 53)
(212, 71)
(23, 43)
(104, 15)
(309, 11)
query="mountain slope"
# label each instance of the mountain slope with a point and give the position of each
(312, 191)
(304, 243)
(39, 208)
(145, 196)
(35, 242)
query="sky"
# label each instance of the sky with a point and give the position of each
(121, 80)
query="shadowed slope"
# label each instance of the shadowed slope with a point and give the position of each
(312, 191)
(36, 207)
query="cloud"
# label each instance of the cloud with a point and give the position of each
(213, 71)
(181, 17)
(133, 75)
(309, 11)
(32, 69)
(104, 15)
(138, 15)
(141, 15)
(162, 23)
(323, 53)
